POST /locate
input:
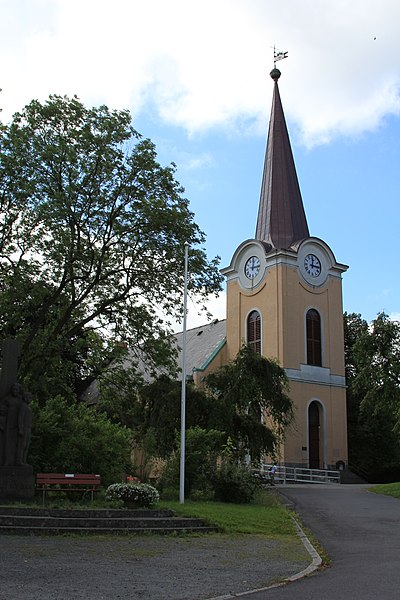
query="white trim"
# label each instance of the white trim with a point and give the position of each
(329, 266)
(235, 270)
(317, 375)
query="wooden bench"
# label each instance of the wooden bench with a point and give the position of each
(67, 482)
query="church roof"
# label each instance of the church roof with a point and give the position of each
(281, 218)
(202, 344)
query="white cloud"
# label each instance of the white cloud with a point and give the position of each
(205, 64)
(215, 307)
(193, 163)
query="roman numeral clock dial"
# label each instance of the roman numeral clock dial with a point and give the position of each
(312, 265)
(252, 267)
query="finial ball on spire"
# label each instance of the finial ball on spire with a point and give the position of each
(275, 74)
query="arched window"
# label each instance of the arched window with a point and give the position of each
(254, 331)
(314, 346)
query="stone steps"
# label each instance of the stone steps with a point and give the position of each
(349, 477)
(85, 512)
(24, 521)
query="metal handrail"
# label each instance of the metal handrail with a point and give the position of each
(301, 475)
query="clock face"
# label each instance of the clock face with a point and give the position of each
(252, 267)
(312, 265)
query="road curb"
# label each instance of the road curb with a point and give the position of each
(316, 559)
(313, 566)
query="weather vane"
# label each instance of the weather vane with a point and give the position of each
(278, 55)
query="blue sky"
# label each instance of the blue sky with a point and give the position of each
(195, 77)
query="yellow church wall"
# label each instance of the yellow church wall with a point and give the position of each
(296, 298)
(240, 302)
(283, 299)
(283, 302)
(233, 324)
(333, 436)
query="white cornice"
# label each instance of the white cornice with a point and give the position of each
(316, 375)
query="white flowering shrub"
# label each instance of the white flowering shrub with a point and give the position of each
(137, 494)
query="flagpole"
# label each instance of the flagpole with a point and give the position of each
(183, 390)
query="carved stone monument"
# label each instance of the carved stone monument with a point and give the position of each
(16, 476)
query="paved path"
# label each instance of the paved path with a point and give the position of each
(360, 531)
(142, 567)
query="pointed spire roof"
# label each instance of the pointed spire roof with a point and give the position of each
(281, 218)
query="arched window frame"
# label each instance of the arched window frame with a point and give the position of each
(253, 330)
(313, 337)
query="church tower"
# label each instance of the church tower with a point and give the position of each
(284, 298)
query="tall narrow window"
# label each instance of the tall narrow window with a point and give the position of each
(254, 331)
(314, 346)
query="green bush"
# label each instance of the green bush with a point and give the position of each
(201, 453)
(74, 438)
(235, 483)
(206, 494)
(133, 494)
(169, 493)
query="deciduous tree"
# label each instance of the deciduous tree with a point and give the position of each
(92, 233)
(251, 404)
(373, 395)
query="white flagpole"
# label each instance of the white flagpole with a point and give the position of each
(183, 392)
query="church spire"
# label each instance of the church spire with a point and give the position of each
(281, 218)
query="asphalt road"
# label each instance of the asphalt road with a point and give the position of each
(360, 531)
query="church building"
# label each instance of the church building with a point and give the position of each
(284, 298)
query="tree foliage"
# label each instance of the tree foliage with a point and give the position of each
(373, 396)
(92, 232)
(251, 402)
(73, 438)
(202, 449)
(153, 412)
(233, 401)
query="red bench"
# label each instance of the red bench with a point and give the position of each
(67, 482)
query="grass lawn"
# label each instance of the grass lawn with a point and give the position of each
(388, 489)
(265, 517)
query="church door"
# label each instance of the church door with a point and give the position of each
(313, 435)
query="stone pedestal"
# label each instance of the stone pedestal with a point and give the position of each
(17, 483)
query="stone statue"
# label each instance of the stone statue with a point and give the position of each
(3, 423)
(15, 427)
(24, 429)
(13, 403)
(17, 481)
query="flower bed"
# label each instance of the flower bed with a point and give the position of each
(134, 495)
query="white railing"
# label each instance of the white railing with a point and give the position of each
(301, 475)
